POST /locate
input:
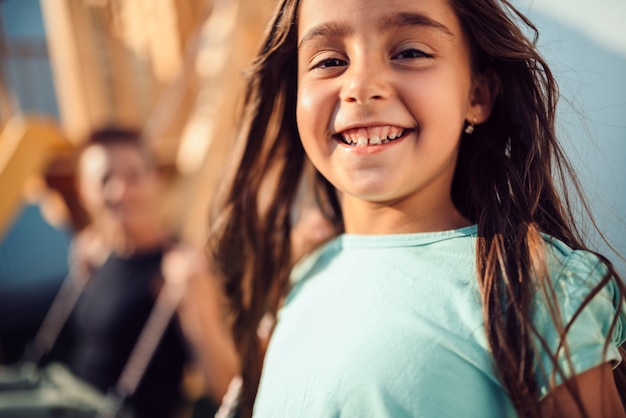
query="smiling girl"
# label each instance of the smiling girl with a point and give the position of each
(456, 283)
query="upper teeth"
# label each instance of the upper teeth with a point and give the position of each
(371, 136)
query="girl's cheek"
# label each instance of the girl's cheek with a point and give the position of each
(303, 114)
(303, 103)
(312, 104)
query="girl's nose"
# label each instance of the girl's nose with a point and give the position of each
(366, 80)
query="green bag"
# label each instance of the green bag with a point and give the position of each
(27, 391)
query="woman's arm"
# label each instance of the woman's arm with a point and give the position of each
(201, 313)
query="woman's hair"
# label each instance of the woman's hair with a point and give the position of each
(504, 182)
(111, 135)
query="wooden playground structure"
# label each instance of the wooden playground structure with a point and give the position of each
(174, 68)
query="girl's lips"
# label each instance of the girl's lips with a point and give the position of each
(371, 149)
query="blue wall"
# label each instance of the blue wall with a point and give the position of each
(581, 41)
(29, 78)
(32, 252)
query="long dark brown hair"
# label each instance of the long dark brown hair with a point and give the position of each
(511, 180)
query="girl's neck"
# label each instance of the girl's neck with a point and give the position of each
(368, 218)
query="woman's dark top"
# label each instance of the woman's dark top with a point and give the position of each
(107, 322)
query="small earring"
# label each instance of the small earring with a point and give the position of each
(469, 129)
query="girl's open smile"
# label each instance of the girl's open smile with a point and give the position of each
(372, 135)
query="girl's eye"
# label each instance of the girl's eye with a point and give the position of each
(412, 54)
(330, 62)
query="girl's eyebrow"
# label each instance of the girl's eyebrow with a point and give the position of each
(395, 20)
(324, 30)
(413, 19)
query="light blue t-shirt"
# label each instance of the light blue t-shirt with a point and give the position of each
(391, 326)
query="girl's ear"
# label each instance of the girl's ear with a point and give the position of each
(482, 96)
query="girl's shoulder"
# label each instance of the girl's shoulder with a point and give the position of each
(587, 301)
(567, 264)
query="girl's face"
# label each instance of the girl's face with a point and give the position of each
(384, 88)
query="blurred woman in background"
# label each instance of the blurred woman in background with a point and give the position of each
(122, 254)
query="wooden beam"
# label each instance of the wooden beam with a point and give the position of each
(224, 88)
(67, 71)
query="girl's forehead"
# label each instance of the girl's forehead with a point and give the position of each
(322, 16)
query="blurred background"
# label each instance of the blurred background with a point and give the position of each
(174, 68)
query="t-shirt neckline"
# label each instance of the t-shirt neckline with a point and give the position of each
(403, 240)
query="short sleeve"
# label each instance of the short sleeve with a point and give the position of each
(574, 275)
